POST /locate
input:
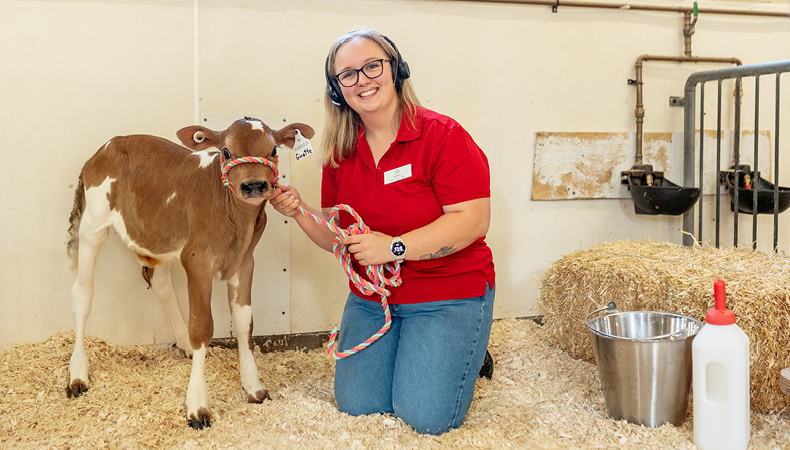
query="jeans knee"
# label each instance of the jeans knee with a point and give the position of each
(426, 421)
(362, 405)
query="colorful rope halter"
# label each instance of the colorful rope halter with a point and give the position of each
(374, 272)
(227, 165)
(379, 283)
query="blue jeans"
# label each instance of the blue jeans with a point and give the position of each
(423, 369)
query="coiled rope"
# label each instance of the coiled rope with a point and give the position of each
(379, 281)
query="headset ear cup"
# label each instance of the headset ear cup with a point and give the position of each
(403, 71)
(335, 96)
(333, 87)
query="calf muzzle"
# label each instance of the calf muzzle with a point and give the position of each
(227, 165)
(254, 188)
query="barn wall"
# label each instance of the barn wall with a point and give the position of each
(77, 73)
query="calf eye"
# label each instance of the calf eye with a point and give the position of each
(274, 152)
(225, 153)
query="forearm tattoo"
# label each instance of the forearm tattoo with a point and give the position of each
(444, 251)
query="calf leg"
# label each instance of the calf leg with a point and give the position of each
(91, 239)
(198, 414)
(241, 315)
(162, 285)
(201, 330)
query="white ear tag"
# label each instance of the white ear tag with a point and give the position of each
(302, 146)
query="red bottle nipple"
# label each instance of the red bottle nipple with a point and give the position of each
(720, 315)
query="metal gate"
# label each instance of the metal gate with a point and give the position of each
(748, 192)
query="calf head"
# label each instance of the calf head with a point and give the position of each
(248, 153)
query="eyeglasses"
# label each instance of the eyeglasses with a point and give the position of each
(372, 69)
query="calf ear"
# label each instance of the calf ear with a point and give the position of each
(196, 137)
(286, 135)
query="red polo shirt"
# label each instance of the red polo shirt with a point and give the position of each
(447, 167)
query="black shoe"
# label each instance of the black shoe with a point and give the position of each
(488, 367)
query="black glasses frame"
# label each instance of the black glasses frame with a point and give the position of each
(362, 70)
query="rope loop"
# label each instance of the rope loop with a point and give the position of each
(227, 165)
(376, 273)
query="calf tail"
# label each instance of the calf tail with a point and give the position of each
(73, 246)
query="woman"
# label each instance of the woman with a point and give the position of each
(418, 179)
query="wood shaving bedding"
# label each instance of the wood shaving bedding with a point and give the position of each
(539, 398)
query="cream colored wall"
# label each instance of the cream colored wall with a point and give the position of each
(77, 73)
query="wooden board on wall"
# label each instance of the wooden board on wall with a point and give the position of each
(571, 165)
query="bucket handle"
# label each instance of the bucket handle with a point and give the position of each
(611, 308)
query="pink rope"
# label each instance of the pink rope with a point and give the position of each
(226, 166)
(379, 283)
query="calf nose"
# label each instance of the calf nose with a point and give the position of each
(254, 188)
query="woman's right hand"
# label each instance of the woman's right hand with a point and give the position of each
(286, 200)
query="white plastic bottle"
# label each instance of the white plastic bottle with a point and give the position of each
(720, 361)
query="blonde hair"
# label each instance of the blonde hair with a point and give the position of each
(341, 126)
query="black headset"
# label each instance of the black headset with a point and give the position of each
(400, 72)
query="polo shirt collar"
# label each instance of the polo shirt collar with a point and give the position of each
(406, 133)
(410, 133)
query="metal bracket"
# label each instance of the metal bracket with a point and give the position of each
(677, 101)
(641, 175)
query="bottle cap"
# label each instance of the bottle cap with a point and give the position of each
(720, 315)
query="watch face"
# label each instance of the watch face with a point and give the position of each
(398, 248)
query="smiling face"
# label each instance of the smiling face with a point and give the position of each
(368, 97)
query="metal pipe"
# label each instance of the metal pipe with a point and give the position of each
(640, 107)
(628, 6)
(776, 169)
(688, 31)
(755, 171)
(701, 154)
(737, 150)
(718, 169)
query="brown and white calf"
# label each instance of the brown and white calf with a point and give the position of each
(167, 202)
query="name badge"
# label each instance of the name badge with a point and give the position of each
(401, 173)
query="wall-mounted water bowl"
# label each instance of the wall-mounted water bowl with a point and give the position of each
(668, 199)
(765, 196)
(655, 195)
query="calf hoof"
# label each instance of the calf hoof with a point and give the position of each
(203, 419)
(199, 424)
(183, 352)
(76, 388)
(259, 397)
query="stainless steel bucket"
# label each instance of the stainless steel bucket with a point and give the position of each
(644, 361)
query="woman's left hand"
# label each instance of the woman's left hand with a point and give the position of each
(369, 248)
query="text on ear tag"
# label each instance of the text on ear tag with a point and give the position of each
(302, 146)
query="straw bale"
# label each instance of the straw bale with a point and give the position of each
(660, 276)
(539, 398)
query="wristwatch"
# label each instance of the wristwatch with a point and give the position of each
(398, 248)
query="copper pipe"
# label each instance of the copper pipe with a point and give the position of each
(688, 31)
(640, 107)
(626, 6)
